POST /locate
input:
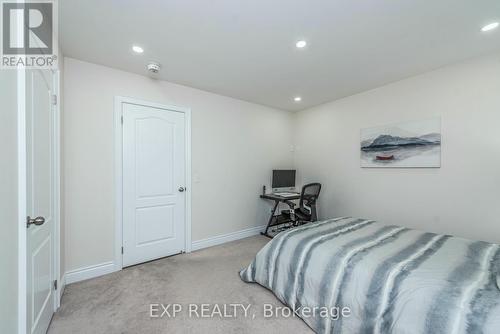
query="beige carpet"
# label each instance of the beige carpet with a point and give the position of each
(120, 302)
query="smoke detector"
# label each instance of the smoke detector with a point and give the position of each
(154, 67)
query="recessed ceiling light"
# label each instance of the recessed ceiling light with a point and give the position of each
(297, 99)
(137, 49)
(490, 26)
(301, 44)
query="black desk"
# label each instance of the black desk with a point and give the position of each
(275, 220)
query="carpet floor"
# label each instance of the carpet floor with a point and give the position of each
(121, 302)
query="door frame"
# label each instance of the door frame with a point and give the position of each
(22, 196)
(118, 132)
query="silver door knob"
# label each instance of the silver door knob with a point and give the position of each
(34, 221)
(181, 189)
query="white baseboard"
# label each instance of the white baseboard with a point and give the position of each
(89, 272)
(82, 274)
(61, 287)
(222, 239)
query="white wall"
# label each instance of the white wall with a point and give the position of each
(461, 198)
(8, 201)
(235, 145)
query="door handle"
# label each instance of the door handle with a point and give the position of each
(181, 189)
(34, 221)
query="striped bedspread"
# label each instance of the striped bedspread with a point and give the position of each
(392, 279)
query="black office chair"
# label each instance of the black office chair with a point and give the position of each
(306, 212)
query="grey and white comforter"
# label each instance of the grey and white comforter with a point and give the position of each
(393, 279)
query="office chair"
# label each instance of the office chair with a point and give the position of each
(306, 212)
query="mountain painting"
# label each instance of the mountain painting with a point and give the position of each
(410, 144)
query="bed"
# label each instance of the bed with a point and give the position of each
(392, 279)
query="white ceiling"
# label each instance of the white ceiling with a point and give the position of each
(246, 49)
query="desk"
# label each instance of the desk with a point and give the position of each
(274, 220)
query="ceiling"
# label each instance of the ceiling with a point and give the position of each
(246, 49)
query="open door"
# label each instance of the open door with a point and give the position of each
(40, 199)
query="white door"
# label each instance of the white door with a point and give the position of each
(40, 139)
(154, 201)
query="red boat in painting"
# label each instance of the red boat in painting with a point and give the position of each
(385, 157)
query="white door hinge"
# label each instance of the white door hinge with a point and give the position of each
(53, 99)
